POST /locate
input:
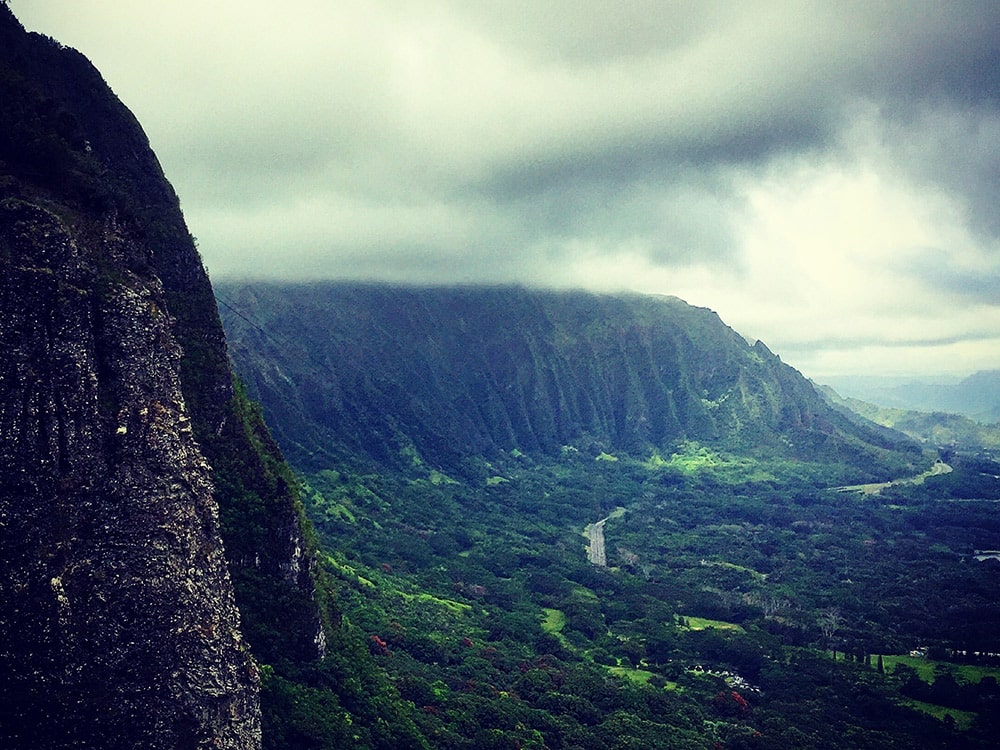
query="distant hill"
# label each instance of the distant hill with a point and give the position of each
(933, 429)
(452, 373)
(976, 397)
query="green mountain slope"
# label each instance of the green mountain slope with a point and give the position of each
(937, 429)
(976, 397)
(582, 521)
(454, 373)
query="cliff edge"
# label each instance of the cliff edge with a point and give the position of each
(142, 504)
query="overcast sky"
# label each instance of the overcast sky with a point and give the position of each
(825, 175)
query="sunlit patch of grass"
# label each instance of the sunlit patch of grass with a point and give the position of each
(703, 623)
(458, 608)
(656, 461)
(349, 572)
(554, 620)
(925, 668)
(639, 676)
(693, 457)
(756, 575)
(437, 477)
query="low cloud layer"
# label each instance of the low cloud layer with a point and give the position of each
(824, 175)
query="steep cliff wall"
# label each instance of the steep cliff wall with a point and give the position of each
(118, 621)
(375, 370)
(129, 465)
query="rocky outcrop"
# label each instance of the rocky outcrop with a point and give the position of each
(118, 626)
(143, 507)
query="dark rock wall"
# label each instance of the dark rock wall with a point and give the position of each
(130, 467)
(118, 625)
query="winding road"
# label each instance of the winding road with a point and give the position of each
(939, 467)
(594, 532)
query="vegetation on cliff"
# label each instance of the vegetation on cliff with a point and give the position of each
(344, 370)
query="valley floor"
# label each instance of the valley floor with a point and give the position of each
(725, 591)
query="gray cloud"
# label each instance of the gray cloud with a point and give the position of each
(790, 164)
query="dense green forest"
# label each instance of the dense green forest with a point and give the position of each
(699, 587)
(744, 603)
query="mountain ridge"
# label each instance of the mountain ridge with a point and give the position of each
(937, 430)
(456, 371)
(976, 396)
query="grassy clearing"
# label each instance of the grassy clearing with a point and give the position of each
(438, 478)
(348, 572)
(333, 511)
(692, 458)
(639, 676)
(655, 461)
(458, 608)
(925, 668)
(963, 719)
(703, 623)
(553, 622)
(755, 574)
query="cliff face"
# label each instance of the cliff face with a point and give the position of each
(129, 465)
(118, 617)
(459, 372)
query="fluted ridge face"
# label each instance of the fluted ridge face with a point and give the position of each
(374, 370)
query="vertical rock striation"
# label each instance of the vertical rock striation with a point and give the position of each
(119, 625)
(141, 500)
(367, 370)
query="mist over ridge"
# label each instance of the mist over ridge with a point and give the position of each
(822, 175)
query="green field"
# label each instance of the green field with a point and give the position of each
(963, 719)
(639, 676)
(554, 621)
(925, 668)
(703, 623)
